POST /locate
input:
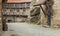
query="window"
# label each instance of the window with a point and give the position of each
(4, 10)
(18, 10)
(24, 10)
(12, 10)
(9, 20)
(28, 4)
(22, 5)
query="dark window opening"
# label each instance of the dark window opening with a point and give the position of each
(9, 20)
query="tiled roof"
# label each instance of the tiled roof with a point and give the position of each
(18, 1)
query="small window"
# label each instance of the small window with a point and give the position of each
(24, 10)
(4, 10)
(9, 20)
(28, 4)
(12, 10)
(18, 10)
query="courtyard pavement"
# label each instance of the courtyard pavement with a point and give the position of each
(26, 29)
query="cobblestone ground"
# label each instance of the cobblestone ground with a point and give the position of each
(25, 29)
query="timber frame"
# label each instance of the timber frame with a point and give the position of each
(48, 12)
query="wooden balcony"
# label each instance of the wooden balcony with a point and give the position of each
(16, 5)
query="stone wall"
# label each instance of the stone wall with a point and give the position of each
(0, 16)
(56, 17)
(55, 21)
